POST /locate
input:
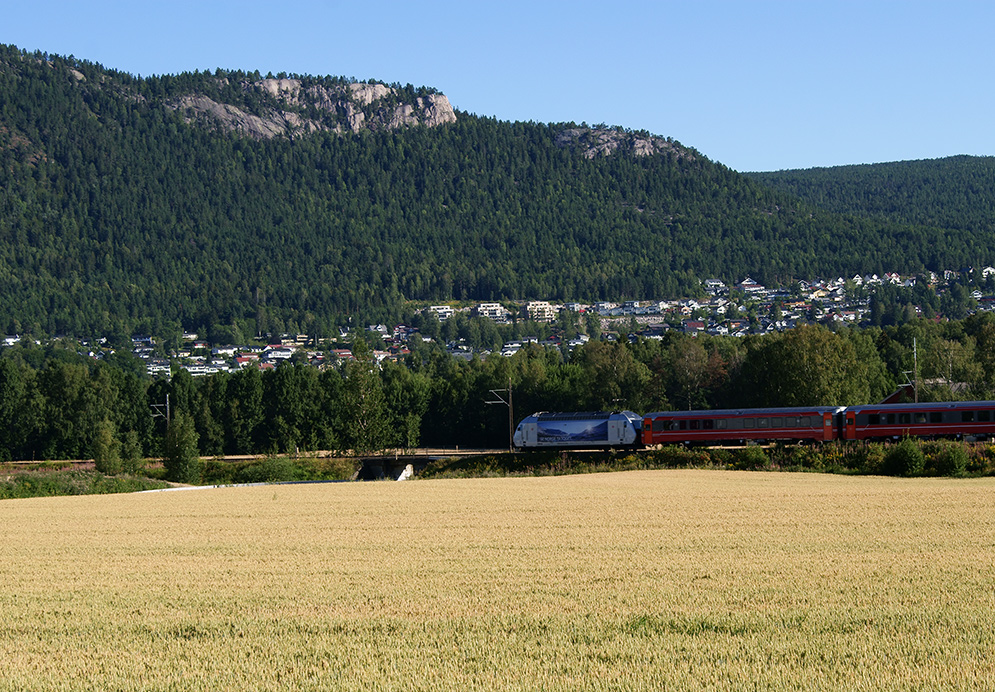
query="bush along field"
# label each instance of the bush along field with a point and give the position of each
(47, 482)
(909, 457)
(278, 469)
(49, 479)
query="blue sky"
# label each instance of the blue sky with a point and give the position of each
(760, 85)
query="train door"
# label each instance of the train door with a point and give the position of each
(849, 431)
(827, 427)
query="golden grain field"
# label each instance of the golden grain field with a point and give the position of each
(630, 581)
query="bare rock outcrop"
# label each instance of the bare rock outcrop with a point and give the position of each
(257, 127)
(592, 142)
(349, 107)
(365, 94)
(436, 110)
(431, 110)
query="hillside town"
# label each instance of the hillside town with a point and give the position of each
(743, 309)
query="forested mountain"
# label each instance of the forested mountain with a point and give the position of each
(225, 198)
(957, 192)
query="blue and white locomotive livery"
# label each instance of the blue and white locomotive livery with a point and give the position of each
(594, 429)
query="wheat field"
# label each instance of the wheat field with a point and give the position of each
(629, 581)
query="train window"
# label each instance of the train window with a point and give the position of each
(935, 416)
(721, 423)
(804, 422)
(905, 418)
(920, 418)
(967, 416)
(891, 418)
(873, 419)
(984, 416)
(749, 423)
(763, 422)
(777, 422)
(695, 424)
(708, 424)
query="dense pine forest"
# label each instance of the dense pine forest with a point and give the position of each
(950, 193)
(119, 215)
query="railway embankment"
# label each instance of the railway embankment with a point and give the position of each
(905, 458)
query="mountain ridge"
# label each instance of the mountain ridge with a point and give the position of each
(121, 206)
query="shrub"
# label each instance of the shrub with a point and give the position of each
(218, 471)
(750, 459)
(47, 483)
(945, 458)
(798, 457)
(866, 457)
(677, 456)
(334, 468)
(981, 459)
(270, 470)
(905, 459)
(721, 457)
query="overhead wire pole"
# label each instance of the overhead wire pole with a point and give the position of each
(915, 360)
(511, 412)
(157, 410)
(914, 380)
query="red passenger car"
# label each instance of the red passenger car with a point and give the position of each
(800, 424)
(969, 420)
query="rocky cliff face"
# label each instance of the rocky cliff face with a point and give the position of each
(295, 109)
(592, 142)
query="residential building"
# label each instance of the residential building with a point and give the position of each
(540, 311)
(443, 312)
(492, 311)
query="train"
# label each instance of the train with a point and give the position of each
(580, 430)
(966, 420)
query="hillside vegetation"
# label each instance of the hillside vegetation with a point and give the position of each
(949, 193)
(127, 204)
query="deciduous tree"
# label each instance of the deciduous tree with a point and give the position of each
(181, 459)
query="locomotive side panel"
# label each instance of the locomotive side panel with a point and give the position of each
(578, 430)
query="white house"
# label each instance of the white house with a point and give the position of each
(443, 312)
(493, 311)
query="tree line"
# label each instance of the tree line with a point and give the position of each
(55, 404)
